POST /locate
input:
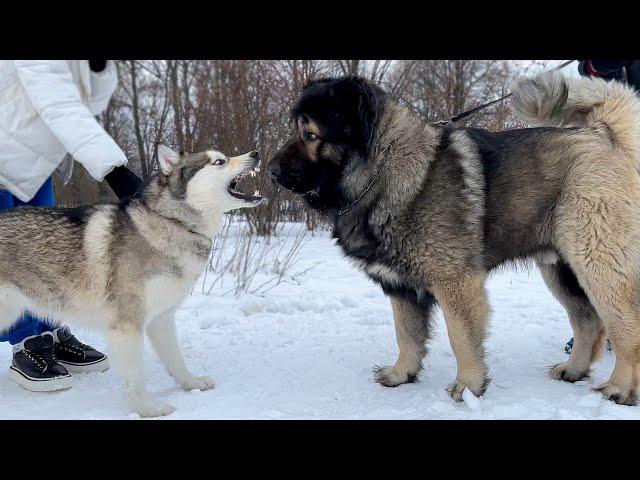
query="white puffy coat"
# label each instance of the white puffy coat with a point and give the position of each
(47, 109)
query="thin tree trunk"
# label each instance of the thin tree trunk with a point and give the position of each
(177, 113)
(136, 120)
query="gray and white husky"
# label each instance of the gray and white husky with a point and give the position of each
(125, 268)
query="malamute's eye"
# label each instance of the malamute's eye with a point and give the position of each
(219, 161)
(310, 136)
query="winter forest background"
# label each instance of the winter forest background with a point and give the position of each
(240, 105)
(283, 322)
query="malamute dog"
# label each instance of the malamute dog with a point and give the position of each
(428, 210)
(127, 267)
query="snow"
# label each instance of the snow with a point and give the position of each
(306, 349)
(473, 402)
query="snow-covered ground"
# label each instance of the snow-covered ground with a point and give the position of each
(305, 350)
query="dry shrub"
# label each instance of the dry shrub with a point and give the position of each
(243, 262)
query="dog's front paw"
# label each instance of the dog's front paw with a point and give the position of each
(456, 388)
(392, 377)
(197, 383)
(563, 371)
(617, 394)
(150, 409)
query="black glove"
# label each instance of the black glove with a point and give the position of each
(97, 65)
(123, 182)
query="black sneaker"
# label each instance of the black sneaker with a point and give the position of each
(569, 346)
(35, 367)
(75, 355)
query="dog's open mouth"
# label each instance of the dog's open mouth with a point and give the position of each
(233, 186)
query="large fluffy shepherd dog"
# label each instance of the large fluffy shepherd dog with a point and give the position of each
(427, 211)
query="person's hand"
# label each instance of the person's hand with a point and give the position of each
(123, 182)
(97, 65)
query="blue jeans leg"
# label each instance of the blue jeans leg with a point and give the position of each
(27, 325)
(42, 198)
(6, 200)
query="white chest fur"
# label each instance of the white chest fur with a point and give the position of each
(165, 292)
(379, 271)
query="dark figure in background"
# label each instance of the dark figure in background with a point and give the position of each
(627, 71)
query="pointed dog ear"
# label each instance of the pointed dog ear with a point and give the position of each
(167, 159)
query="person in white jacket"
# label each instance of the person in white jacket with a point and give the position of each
(47, 115)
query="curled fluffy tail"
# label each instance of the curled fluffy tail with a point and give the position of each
(550, 99)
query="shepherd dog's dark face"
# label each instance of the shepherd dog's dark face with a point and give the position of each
(335, 121)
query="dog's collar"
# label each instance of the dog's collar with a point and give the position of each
(368, 187)
(185, 226)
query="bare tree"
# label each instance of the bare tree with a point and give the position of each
(438, 89)
(241, 105)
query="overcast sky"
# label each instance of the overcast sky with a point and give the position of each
(571, 70)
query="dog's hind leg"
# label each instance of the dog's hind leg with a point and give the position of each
(588, 329)
(126, 349)
(466, 311)
(162, 332)
(616, 299)
(599, 239)
(411, 320)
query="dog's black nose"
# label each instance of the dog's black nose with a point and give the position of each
(274, 170)
(254, 154)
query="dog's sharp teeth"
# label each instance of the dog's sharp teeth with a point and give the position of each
(257, 193)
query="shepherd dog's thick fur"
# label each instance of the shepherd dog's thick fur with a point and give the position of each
(427, 211)
(125, 267)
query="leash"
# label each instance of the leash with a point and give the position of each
(454, 119)
(471, 111)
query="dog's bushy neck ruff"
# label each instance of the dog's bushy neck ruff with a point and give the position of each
(404, 148)
(397, 164)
